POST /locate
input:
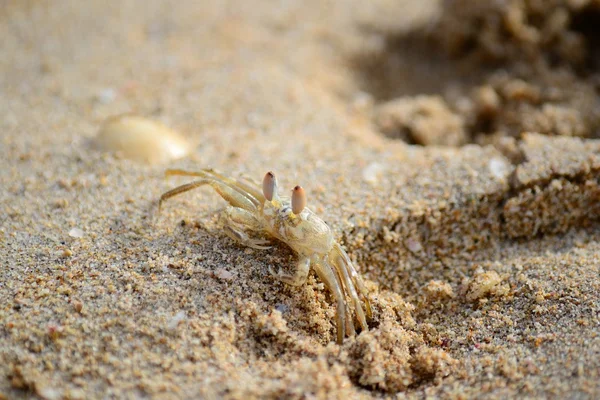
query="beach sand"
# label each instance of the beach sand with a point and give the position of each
(452, 147)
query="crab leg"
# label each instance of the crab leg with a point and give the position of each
(348, 289)
(234, 220)
(328, 277)
(248, 191)
(240, 184)
(296, 279)
(234, 197)
(358, 282)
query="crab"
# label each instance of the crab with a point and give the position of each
(290, 221)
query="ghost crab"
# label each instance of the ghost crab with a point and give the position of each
(290, 221)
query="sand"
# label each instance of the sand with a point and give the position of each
(452, 148)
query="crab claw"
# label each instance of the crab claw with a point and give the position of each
(270, 186)
(298, 200)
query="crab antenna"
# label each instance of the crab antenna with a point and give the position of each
(270, 186)
(298, 200)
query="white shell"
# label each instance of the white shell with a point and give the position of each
(141, 139)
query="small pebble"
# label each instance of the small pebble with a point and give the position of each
(48, 392)
(413, 245)
(499, 168)
(372, 172)
(76, 233)
(140, 139)
(282, 308)
(78, 306)
(177, 318)
(54, 331)
(222, 273)
(61, 203)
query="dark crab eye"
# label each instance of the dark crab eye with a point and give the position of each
(269, 185)
(298, 200)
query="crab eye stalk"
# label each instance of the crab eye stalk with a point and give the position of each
(298, 200)
(270, 186)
